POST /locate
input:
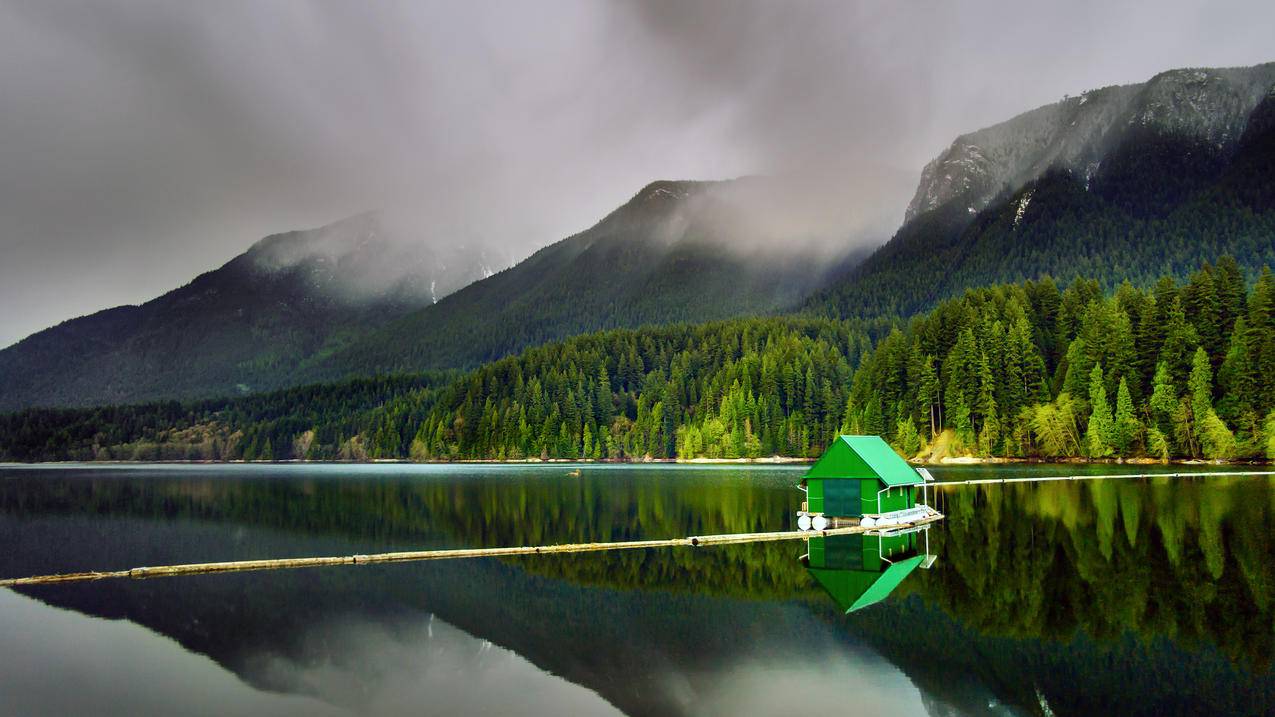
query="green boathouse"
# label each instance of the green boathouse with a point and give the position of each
(860, 475)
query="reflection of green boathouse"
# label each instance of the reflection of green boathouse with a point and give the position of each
(858, 476)
(861, 570)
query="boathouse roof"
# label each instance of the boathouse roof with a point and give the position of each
(864, 457)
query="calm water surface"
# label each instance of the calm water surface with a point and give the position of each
(1097, 597)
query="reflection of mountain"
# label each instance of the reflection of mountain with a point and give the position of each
(1038, 587)
(647, 653)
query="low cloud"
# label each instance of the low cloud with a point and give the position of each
(146, 141)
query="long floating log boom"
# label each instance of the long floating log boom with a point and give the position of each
(1107, 476)
(236, 566)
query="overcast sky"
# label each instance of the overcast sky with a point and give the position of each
(144, 142)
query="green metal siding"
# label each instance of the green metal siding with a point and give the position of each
(894, 545)
(891, 499)
(816, 554)
(895, 499)
(869, 489)
(814, 496)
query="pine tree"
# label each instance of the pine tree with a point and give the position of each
(1261, 339)
(1180, 342)
(989, 434)
(1236, 376)
(1164, 399)
(1098, 437)
(1149, 337)
(907, 441)
(1228, 281)
(1216, 440)
(962, 425)
(928, 395)
(873, 418)
(1200, 385)
(986, 401)
(1127, 427)
(1199, 299)
(1269, 429)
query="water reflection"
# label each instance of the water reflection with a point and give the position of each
(1152, 595)
(59, 662)
(858, 571)
(421, 665)
(1183, 559)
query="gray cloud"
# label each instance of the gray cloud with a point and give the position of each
(143, 142)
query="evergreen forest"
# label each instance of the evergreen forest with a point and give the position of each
(1029, 370)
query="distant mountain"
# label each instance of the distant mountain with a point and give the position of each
(355, 299)
(675, 252)
(243, 327)
(1119, 183)
(1209, 107)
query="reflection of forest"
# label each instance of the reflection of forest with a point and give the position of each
(1136, 588)
(1187, 559)
(1190, 560)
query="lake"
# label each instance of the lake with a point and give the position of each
(1080, 597)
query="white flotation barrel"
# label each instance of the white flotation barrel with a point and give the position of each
(803, 522)
(819, 523)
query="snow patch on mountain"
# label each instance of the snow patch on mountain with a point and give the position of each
(1078, 132)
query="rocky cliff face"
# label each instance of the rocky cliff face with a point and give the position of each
(1078, 133)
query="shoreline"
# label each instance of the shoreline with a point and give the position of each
(765, 461)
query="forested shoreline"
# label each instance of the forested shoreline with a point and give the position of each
(1179, 371)
(1029, 370)
(316, 422)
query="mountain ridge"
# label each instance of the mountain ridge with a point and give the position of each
(684, 250)
(1077, 132)
(1159, 201)
(241, 327)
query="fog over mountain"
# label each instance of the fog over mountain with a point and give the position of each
(144, 142)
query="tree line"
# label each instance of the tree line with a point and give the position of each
(1182, 370)
(317, 422)
(732, 389)
(1033, 369)
(1029, 370)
